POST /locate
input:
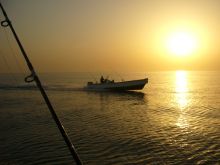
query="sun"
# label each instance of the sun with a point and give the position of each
(181, 43)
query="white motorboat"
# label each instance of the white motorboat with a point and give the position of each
(118, 86)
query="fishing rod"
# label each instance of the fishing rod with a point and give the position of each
(33, 77)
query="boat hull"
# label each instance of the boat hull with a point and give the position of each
(119, 86)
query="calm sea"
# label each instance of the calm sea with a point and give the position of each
(175, 119)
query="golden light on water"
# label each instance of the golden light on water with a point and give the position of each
(181, 88)
(181, 97)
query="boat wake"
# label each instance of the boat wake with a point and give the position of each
(33, 87)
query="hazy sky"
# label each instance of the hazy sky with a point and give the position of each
(111, 35)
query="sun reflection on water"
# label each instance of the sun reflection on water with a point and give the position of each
(181, 97)
(181, 88)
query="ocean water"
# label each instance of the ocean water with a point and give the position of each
(174, 120)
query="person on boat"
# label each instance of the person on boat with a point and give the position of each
(102, 80)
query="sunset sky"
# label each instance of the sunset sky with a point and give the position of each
(119, 35)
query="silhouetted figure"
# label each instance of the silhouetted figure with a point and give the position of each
(102, 79)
